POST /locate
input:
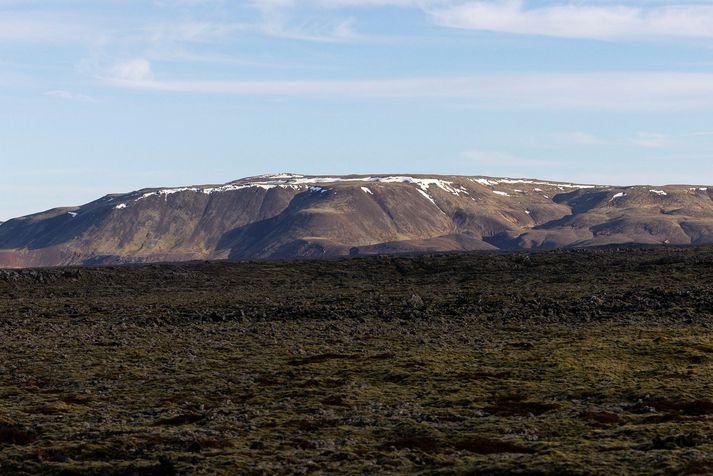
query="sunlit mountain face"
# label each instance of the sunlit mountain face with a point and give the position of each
(292, 216)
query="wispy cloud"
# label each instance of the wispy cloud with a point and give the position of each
(69, 95)
(347, 3)
(642, 139)
(329, 20)
(288, 19)
(581, 138)
(651, 140)
(577, 19)
(48, 27)
(595, 91)
(658, 140)
(320, 31)
(135, 70)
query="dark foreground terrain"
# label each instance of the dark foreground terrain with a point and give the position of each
(566, 362)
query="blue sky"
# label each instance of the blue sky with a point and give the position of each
(110, 96)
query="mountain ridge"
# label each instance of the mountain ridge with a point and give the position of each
(291, 215)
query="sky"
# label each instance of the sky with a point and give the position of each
(108, 96)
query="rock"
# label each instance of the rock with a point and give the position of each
(416, 302)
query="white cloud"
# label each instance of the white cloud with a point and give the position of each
(274, 4)
(289, 19)
(314, 31)
(47, 28)
(581, 138)
(642, 139)
(595, 91)
(579, 20)
(377, 3)
(308, 20)
(699, 134)
(136, 70)
(188, 3)
(69, 95)
(657, 140)
(651, 140)
(178, 32)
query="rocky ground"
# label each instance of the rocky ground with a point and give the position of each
(564, 362)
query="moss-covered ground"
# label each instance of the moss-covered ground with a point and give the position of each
(553, 363)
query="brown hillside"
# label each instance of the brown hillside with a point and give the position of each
(287, 216)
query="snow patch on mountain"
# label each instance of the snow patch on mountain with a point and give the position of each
(508, 181)
(301, 182)
(486, 182)
(430, 199)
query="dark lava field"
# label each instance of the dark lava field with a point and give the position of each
(561, 362)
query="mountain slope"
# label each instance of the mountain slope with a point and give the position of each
(285, 216)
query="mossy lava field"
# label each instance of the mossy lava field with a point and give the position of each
(562, 362)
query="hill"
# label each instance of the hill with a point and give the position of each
(293, 216)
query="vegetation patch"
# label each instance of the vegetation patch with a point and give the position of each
(577, 363)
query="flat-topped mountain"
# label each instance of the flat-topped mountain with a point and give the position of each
(289, 216)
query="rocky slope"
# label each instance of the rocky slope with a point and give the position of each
(287, 215)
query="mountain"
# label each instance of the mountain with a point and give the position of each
(288, 216)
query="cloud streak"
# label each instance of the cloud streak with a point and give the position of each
(591, 91)
(642, 139)
(580, 20)
(48, 27)
(69, 96)
(135, 70)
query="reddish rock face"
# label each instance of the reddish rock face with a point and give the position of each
(288, 216)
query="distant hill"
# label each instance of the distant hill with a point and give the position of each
(291, 216)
